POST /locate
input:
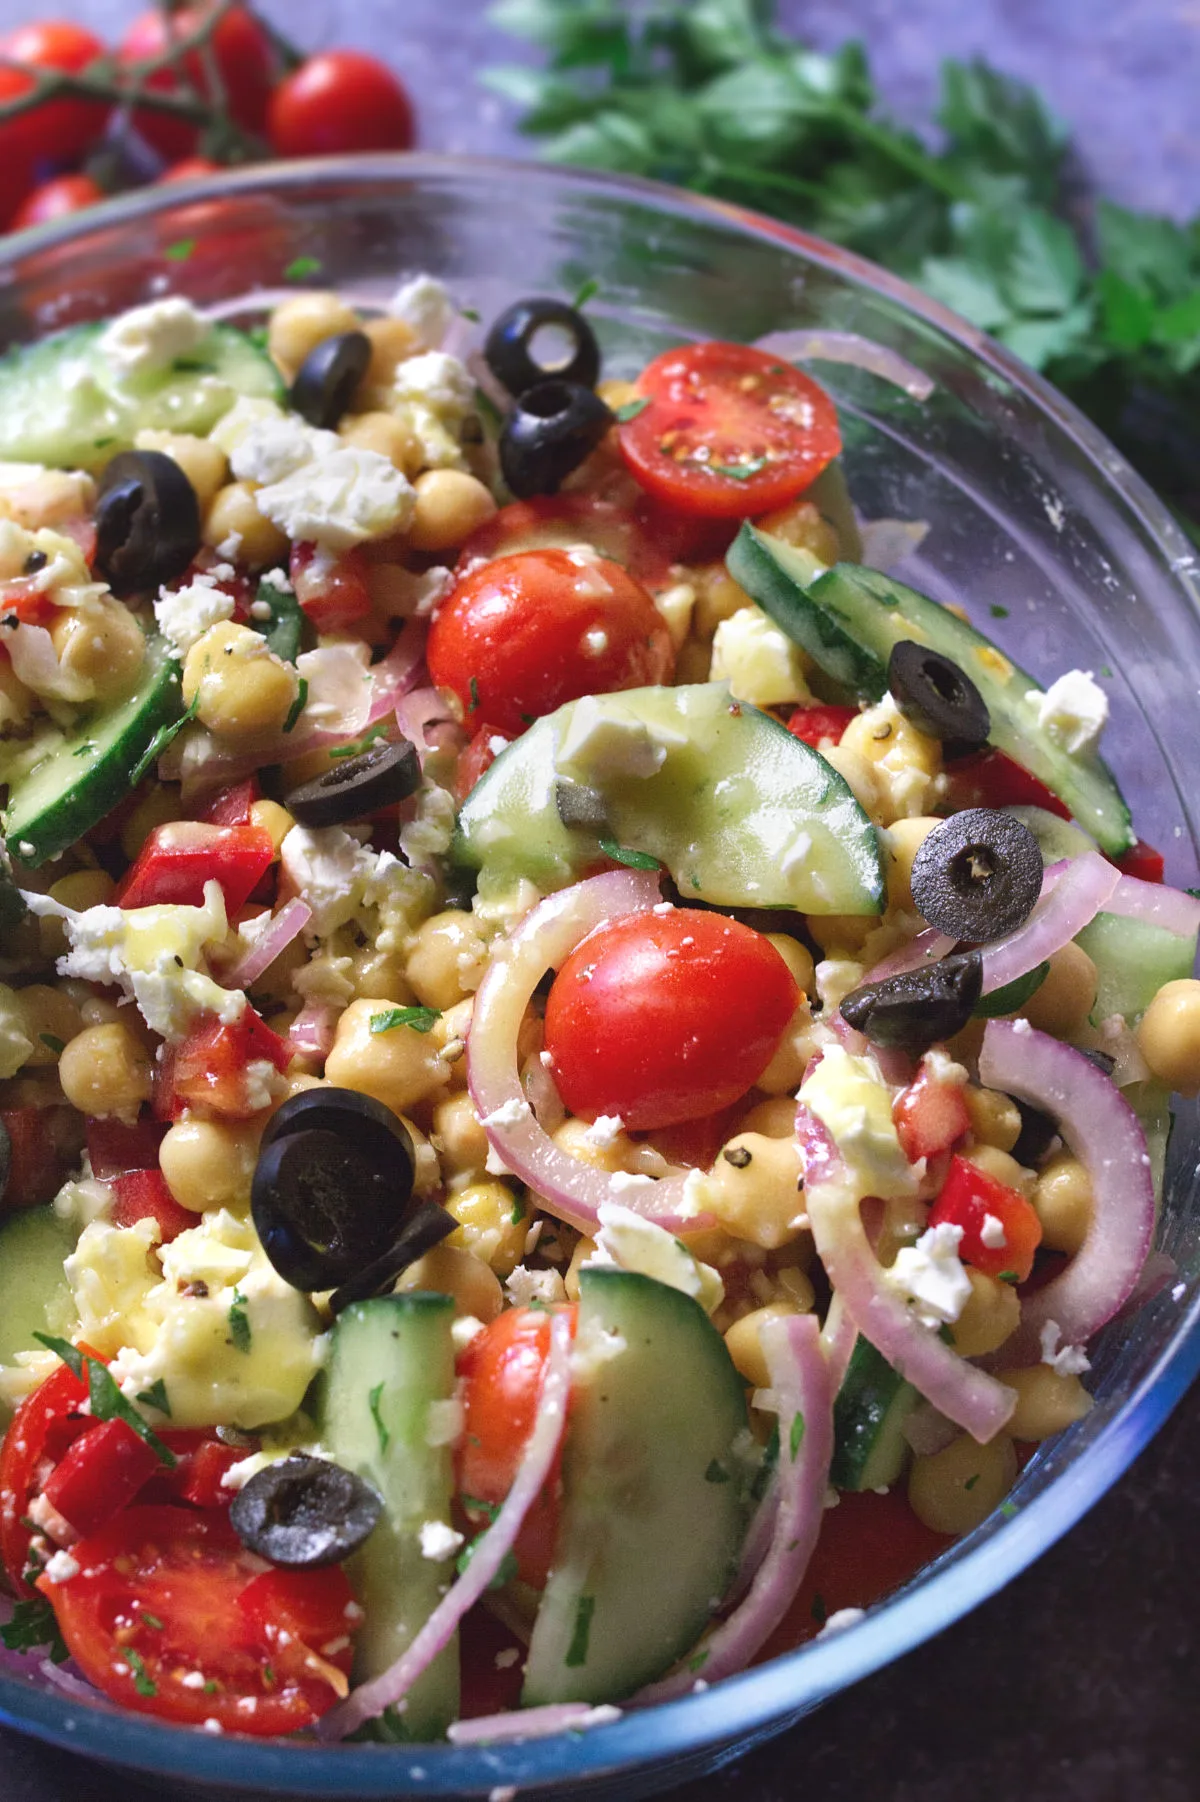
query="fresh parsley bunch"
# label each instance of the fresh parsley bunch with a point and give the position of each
(709, 94)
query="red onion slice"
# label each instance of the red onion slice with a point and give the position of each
(370, 1699)
(399, 671)
(1070, 901)
(416, 711)
(531, 1723)
(929, 947)
(565, 1187)
(286, 925)
(848, 347)
(977, 1402)
(800, 1381)
(311, 1032)
(1171, 908)
(1106, 1136)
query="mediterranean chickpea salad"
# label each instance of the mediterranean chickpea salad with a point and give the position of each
(579, 1065)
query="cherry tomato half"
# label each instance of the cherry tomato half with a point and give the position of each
(523, 634)
(243, 57)
(728, 431)
(340, 100)
(163, 1592)
(663, 1017)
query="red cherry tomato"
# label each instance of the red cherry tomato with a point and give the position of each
(203, 1462)
(646, 542)
(812, 724)
(993, 779)
(728, 431)
(55, 199)
(929, 1115)
(523, 634)
(1143, 861)
(113, 1147)
(59, 131)
(969, 1195)
(191, 168)
(207, 1069)
(479, 756)
(243, 56)
(340, 100)
(165, 1591)
(501, 1371)
(333, 591)
(43, 1428)
(663, 1017)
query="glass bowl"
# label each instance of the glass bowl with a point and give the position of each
(1035, 523)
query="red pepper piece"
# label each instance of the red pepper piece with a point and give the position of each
(1143, 861)
(930, 1116)
(333, 592)
(231, 806)
(179, 858)
(142, 1195)
(812, 724)
(969, 1195)
(993, 779)
(207, 1069)
(113, 1148)
(99, 1475)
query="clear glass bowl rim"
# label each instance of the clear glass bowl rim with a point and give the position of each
(741, 1707)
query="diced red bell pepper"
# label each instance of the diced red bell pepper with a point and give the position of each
(479, 756)
(333, 592)
(1143, 861)
(231, 806)
(144, 1195)
(930, 1116)
(203, 1462)
(99, 1475)
(993, 779)
(40, 1154)
(179, 858)
(113, 1148)
(207, 1069)
(969, 1195)
(812, 724)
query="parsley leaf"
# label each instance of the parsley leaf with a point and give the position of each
(239, 1322)
(301, 267)
(631, 409)
(577, 1651)
(33, 1624)
(106, 1400)
(421, 1019)
(180, 251)
(587, 290)
(739, 472)
(796, 1435)
(141, 1680)
(633, 860)
(162, 738)
(156, 1397)
(297, 707)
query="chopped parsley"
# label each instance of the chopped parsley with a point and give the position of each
(1008, 1509)
(796, 1436)
(518, 1211)
(373, 1396)
(180, 251)
(162, 738)
(421, 1019)
(107, 1402)
(300, 267)
(471, 313)
(631, 409)
(739, 472)
(141, 1680)
(508, 1564)
(151, 1620)
(369, 737)
(474, 687)
(156, 1397)
(699, 1661)
(239, 1322)
(633, 860)
(52, 1043)
(297, 707)
(997, 611)
(587, 290)
(577, 1651)
(474, 1505)
(34, 1624)
(716, 1472)
(818, 1610)
(971, 1481)
(1008, 1276)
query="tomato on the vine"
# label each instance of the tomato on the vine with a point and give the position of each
(728, 431)
(243, 57)
(523, 634)
(191, 168)
(665, 1017)
(55, 199)
(162, 1592)
(58, 131)
(340, 100)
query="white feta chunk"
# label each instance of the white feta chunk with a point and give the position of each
(340, 500)
(329, 868)
(1067, 1360)
(760, 663)
(148, 338)
(992, 1233)
(931, 1275)
(605, 739)
(526, 1287)
(183, 615)
(424, 303)
(439, 1541)
(433, 394)
(1073, 711)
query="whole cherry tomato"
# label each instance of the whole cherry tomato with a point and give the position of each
(243, 56)
(57, 132)
(340, 100)
(666, 1016)
(55, 199)
(523, 634)
(191, 168)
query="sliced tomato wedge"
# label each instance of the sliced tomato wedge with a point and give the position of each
(41, 1431)
(155, 1618)
(113, 1147)
(969, 1197)
(930, 1116)
(728, 431)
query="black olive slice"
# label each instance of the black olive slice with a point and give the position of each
(147, 522)
(920, 1007)
(548, 434)
(938, 697)
(579, 805)
(326, 380)
(978, 875)
(427, 1228)
(339, 1110)
(327, 1203)
(511, 346)
(357, 786)
(302, 1513)
(1038, 1132)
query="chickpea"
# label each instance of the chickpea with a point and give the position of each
(775, 1119)
(300, 323)
(382, 973)
(753, 1189)
(80, 890)
(902, 840)
(103, 646)
(692, 661)
(616, 393)
(449, 1270)
(234, 527)
(392, 342)
(386, 434)
(400, 1067)
(956, 1488)
(203, 463)
(841, 934)
(106, 1071)
(1063, 1202)
(157, 807)
(446, 959)
(48, 1019)
(785, 1072)
(1047, 1401)
(1169, 1035)
(272, 818)
(208, 1164)
(492, 1224)
(801, 523)
(794, 1285)
(718, 598)
(861, 776)
(743, 1342)
(1067, 996)
(450, 504)
(462, 1140)
(240, 687)
(991, 1314)
(427, 1175)
(585, 1248)
(798, 959)
(995, 1118)
(616, 1154)
(904, 760)
(1003, 1166)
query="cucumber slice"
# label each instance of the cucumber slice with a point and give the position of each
(34, 1294)
(283, 625)
(389, 1360)
(1133, 959)
(61, 402)
(90, 770)
(654, 1493)
(870, 1450)
(1056, 838)
(741, 813)
(849, 618)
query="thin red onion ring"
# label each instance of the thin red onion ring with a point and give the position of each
(977, 1402)
(929, 947)
(399, 671)
(1156, 904)
(800, 1381)
(370, 1699)
(311, 1032)
(1106, 1136)
(417, 710)
(1069, 902)
(286, 925)
(531, 1723)
(566, 1187)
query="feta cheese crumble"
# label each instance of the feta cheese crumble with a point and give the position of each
(1073, 711)
(930, 1274)
(149, 338)
(424, 303)
(439, 1541)
(433, 394)
(183, 615)
(340, 500)
(992, 1233)
(1067, 1360)
(760, 663)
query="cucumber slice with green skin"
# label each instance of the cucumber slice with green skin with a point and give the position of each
(283, 626)
(1013, 995)
(741, 813)
(870, 1450)
(34, 1293)
(1056, 838)
(390, 1360)
(1133, 959)
(655, 1490)
(62, 403)
(848, 619)
(84, 777)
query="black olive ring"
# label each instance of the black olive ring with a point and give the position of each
(509, 346)
(548, 434)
